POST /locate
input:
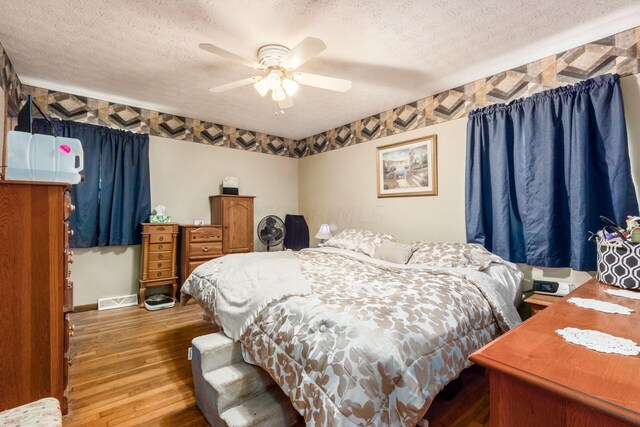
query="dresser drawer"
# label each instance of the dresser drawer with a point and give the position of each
(68, 332)
(158, 229)
(205, 249)
(160, 265)
(161, 238)
(160, 256)
(68, 232)
(205, 234)
(65, 372)
(160, 247)
(68, 296)
(159, 274)
(195, 264)
(68, 205)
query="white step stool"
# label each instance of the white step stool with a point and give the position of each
(233, 393)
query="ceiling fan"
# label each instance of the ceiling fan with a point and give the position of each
(277, 65)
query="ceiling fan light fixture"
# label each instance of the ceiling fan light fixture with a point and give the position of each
(290, 86)
(273, 79)
(261, 87)
(278, 94)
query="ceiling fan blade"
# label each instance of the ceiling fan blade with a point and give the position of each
(322, 82)
(236, 84)
(228, 55)
(286, 103)
(304, 51)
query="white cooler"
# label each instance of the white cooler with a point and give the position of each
(43, 158)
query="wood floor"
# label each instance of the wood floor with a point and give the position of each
(130, 368)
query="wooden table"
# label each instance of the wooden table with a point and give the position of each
(538, 379)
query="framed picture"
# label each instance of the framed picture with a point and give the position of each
(408, 168)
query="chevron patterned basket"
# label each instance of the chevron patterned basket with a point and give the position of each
(619, 264)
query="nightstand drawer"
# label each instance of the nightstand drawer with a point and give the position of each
(159, 229)
(160, 247)
(159, 265)
(539, 302)
(159, 274)
(195, 264)
(161, 238)
(205, 234)
(160, 256)
(205, 249)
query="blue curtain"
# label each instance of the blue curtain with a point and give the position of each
(115, 196)
(541, 170)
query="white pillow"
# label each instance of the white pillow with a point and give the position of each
(364, 241)
(394, 252)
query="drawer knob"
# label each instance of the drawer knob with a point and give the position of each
(159, 265)
(72, 327)
(72, 207)
(70, 232)
(160, 247)
(69, 284)
(159, 256)
(70, 332)
(159, 274)
(69, 362)
(161, 238)
(70, 257)
(205, 249)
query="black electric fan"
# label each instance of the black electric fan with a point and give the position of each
(271, 231)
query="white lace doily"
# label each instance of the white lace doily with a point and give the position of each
(599, 341)
(623, 293)
(603, 306)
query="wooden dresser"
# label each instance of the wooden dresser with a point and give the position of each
(198, 244)
(539, 379)
(36, 292)
(158, 258)
(235, 215)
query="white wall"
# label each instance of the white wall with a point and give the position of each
(183, 176)
(339, 187)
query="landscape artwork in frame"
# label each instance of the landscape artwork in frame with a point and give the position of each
(408, 168)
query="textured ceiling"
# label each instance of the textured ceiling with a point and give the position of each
(145, 53)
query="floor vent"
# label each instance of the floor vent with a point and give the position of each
(117, 302)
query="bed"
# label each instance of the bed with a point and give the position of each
(373, 342)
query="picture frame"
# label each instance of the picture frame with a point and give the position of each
(408, 168)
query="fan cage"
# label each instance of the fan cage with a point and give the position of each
(271, 222)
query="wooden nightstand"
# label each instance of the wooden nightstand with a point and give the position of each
(539, 302)
(158, 258)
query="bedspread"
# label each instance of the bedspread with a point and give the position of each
(374, 342)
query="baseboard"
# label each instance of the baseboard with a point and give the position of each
(85, 307)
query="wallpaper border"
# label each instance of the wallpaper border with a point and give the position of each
(619, 53)
(9, 81)
(66, 106)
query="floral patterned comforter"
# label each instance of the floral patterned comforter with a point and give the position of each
(375, 342)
